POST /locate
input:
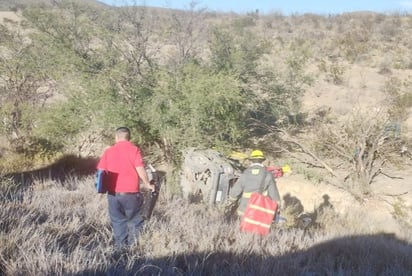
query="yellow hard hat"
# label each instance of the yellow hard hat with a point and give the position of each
(286, 169)
(257, 154)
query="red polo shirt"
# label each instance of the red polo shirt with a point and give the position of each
(120, 161)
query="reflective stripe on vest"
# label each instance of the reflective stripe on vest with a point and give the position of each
(255, 222)
(253, 206)
(260, 208)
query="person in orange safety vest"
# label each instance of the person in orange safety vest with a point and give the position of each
(254, 179)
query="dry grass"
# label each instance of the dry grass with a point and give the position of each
(53, 230)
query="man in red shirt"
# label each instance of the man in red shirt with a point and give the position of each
(124, 167)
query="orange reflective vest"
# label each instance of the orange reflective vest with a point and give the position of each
(259, 214)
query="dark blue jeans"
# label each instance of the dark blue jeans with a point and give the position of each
(124, 212)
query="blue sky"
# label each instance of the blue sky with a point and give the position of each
(285, 7)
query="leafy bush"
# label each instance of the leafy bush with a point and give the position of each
(196, 107)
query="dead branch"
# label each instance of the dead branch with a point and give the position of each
(288, 139)
(394, 195)
(392, 177)
(307, 151)
(301, 160)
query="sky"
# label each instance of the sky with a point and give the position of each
(286, 7)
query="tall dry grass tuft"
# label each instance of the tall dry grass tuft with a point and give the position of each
(62, 229)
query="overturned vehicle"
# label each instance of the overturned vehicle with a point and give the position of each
(208, 175)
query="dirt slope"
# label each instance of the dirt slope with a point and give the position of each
(362, 87)
(388, 210)
(9, 16)
(389, 207)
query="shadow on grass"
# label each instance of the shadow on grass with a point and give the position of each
(297, 215)
(60, 170)
(380, 254)
(13, 185)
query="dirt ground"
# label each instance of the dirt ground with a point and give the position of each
(362, 88)
(8, 15)
(391, 199)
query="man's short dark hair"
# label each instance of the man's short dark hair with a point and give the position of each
(123, 132)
